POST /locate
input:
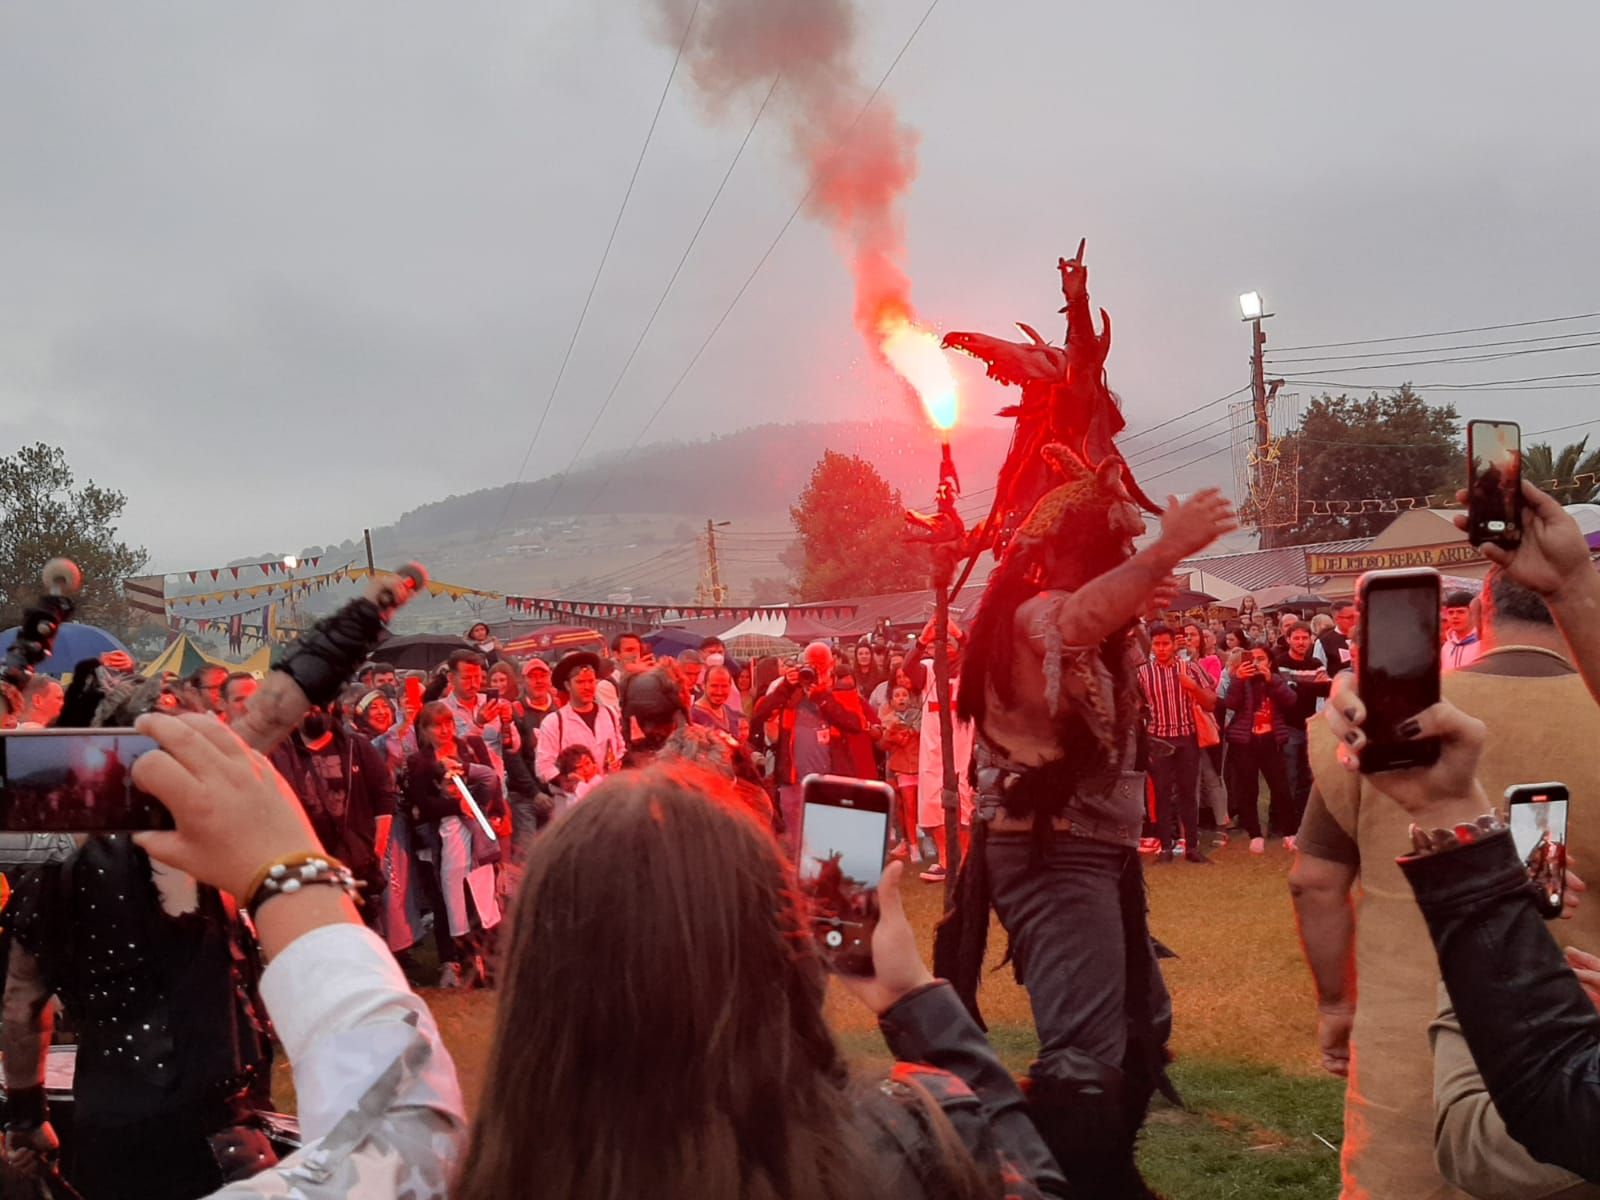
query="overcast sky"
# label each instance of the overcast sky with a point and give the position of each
(279, 271)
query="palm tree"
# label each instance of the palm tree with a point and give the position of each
(1571, 476)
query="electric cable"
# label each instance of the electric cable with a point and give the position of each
(1427, 362)
(660, 301)
(1414, 337)
(1273, 359)
(756, 270)
(598, 271)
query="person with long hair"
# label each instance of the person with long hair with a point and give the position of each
(1050, 683)
(683, 884)
(456, 872)
(718, 1080)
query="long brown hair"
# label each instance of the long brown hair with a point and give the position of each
(660, 1028)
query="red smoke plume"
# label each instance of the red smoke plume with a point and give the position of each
(859, 163)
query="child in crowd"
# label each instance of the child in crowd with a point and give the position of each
(577, 773)
(901, 741)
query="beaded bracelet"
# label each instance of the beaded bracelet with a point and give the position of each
(295, 871)
(1437, 841)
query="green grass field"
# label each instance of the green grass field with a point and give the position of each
(1260, 1117)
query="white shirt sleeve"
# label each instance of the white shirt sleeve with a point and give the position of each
(544, 759)
(380, 1109)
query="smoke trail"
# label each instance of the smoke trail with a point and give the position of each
(858, 164)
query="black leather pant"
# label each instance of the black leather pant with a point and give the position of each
(1075, 915)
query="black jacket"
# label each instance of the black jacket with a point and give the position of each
(939, 1048)
(1533, 1032)
(370, 792)
(426, 795)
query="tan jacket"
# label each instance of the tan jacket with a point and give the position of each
(1470, 1144)
(1540, 728)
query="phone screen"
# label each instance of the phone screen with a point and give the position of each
(844, 840)
(1538, 817)
(1397, 665)
(75, 781)
(1494, 482)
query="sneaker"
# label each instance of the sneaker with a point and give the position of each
(1165, 856)
(934, 874)
(1198, 857)
(1258, 845)
(450, 975)
(1288, 843)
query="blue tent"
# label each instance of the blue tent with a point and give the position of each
(74, 643)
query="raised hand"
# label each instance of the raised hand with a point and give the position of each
(1189, 526)
(1552, 555)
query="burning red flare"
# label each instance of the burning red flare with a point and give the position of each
(913, 352)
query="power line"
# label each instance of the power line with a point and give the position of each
(1482, 385)
(598, 271)
(756, 270)
(1198, 408)
(1564, 428)
(1426, 362)
(1554, 337)
(1190, 463)
(660, 300)
(1413, 337)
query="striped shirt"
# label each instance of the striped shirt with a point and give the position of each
(1171, 709)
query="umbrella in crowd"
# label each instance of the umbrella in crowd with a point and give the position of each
(420, 651)
(1302, 600)
(74, 643)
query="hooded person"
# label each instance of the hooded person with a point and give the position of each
(483, 641)
(1049, 682)
(655, 704)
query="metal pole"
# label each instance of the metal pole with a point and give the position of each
(951, 795)
(719, 594)
(366, 536)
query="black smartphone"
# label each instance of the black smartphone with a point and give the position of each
(1397, 664)
(844, 841)
(75, 781)
(491, 695)
(1538, 817)
(1494, 483)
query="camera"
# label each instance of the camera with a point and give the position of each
(808, 675)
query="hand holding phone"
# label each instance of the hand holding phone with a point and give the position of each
(1397, 665)
(897, 963)
(844, 838)
(1494, 483)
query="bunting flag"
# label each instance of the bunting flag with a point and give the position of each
(437, 587)
(146, 593)
(578, 611)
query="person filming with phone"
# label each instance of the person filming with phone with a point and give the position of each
(1527, 687)
(812, 725)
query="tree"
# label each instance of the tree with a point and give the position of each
(1379, 448)
(766, 590)
(1571, 476)
(42, 516)
(852, 533)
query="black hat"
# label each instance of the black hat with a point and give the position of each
(1459, 598)
(576, 661)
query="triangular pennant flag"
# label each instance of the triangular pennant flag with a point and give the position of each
(235, 571)
(192, 575)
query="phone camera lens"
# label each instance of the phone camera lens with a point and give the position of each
(833, 939)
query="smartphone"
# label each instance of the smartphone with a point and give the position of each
(491, 695)
(74, 781)
(1397, 664)
(1538, 816)
(844, 841)
(1494, 483)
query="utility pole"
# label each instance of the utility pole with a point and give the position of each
(1254, 310)
(366, 536)
(711, 589)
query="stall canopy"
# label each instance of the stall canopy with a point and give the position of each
(184, 658)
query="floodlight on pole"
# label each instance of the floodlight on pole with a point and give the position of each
(290, 561)
(1252, 306)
